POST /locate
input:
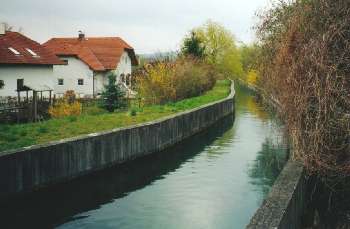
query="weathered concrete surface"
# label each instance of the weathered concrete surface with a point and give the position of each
(284, 206)
(29, 168)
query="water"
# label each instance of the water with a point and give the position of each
(214, 180)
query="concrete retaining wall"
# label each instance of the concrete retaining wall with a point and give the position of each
(284, 206)
(29, 168)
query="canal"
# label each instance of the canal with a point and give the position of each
(216, 179)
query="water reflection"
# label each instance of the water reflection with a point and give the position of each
(268, 165)
(214, 180)
(56, 205)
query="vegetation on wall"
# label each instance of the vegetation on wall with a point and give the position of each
(304, 64)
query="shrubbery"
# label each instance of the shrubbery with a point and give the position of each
(163, 82)
(305, 64)
(67, 106)
(112, 97)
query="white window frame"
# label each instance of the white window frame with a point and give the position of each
(32, 52)
(14, 51)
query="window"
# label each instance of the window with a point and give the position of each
(65, 61)
(2, 84)
(14, 51)
(60, 82)
(80, 81)
(32, 52)
(20, 84)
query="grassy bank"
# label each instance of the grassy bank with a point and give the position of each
(20, 135)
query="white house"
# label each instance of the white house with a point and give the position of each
(24, 62)
(88, 62)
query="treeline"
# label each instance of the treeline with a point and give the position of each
(208, 52)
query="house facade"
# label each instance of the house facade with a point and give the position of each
(89, 61)
(24, 62)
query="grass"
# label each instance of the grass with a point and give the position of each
(20, 135)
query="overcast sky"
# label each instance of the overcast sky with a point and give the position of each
(148, 25)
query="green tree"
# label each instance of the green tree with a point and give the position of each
(220, 48)
(112, 97)
(193, 46)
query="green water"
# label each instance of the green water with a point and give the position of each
(214, 180)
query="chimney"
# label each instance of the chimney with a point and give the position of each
(81, 35)
(2, 28)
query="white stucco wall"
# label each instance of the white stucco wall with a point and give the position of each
(124, 67)
(35, 75)
(76, 69)
(100, 81)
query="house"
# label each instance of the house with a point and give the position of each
(24, 62)
(89, 61)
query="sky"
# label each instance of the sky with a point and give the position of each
(149, 26)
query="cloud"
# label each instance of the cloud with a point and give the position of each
(149, 26)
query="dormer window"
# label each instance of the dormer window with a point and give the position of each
(14, 51)
(32, 52)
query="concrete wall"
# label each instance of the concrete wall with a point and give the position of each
(284, 206)
(32, 167)
(34, 75)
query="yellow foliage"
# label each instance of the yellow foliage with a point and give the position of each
(66, 107)
(252, 77)
(163, 82)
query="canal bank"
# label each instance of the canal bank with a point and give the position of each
(215, 179)
(30, 168)
(285, 204)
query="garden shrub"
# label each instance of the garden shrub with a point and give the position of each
(112, 97)
(67, 106)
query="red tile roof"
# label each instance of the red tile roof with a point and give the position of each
(99, 53)
(21, 43)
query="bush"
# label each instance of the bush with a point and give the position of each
(72, 118)
(112, 97)
(305, 65)
(43, 129)
(252, 77)
(163, 82)
(67, 106)
(133, 111)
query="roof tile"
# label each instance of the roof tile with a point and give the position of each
(20, 43)
(99, 53)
